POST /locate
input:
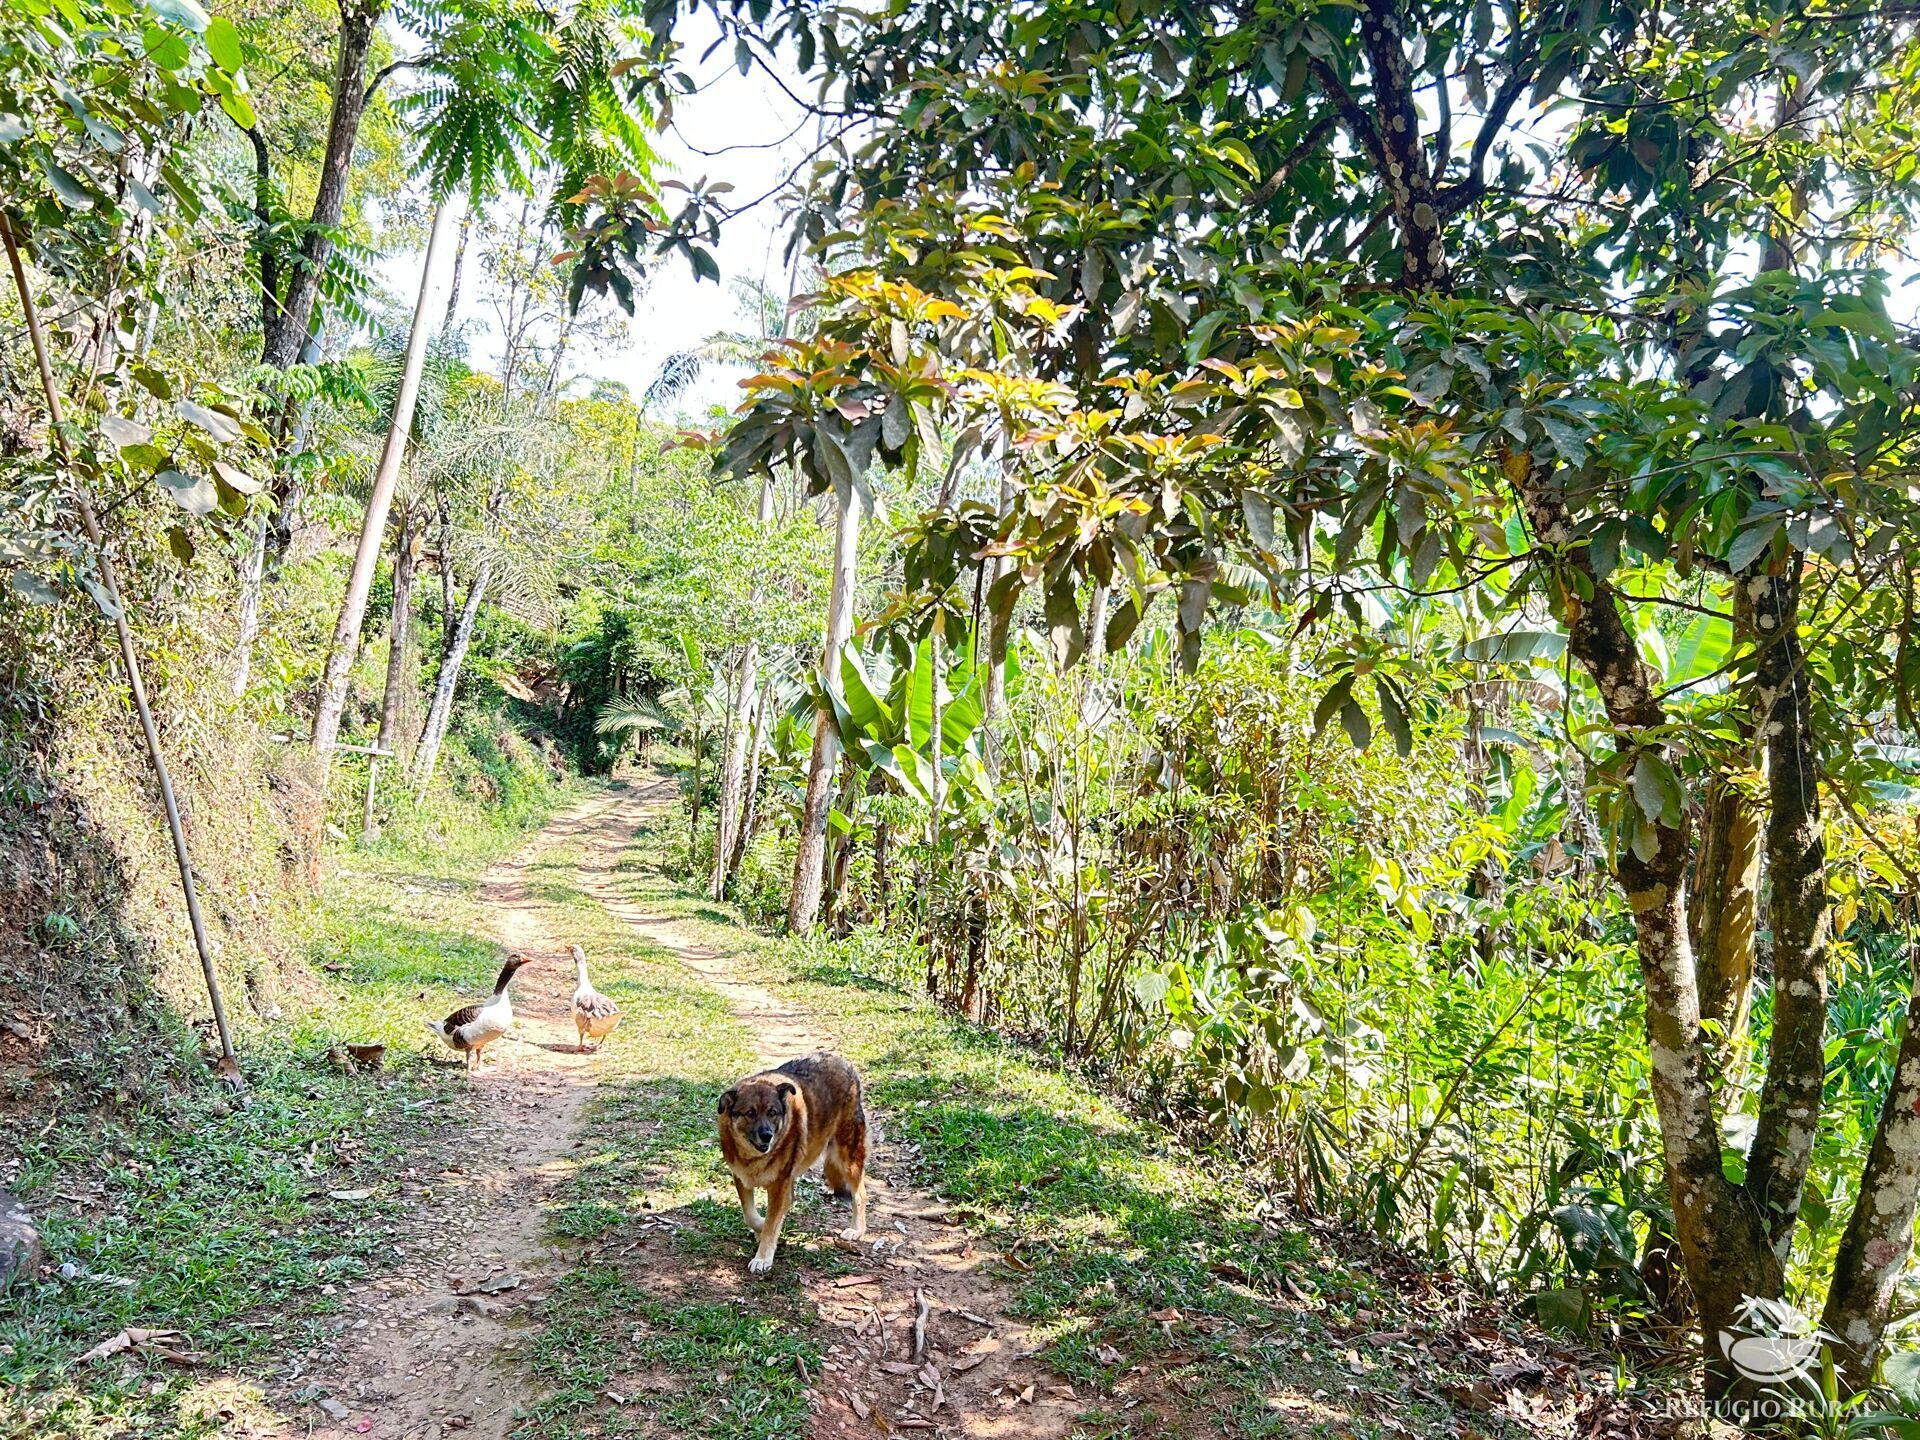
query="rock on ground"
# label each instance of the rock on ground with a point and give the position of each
(20, 1252)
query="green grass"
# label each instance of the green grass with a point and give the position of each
(215, 1219)
(1161, 1286)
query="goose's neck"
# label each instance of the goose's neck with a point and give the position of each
(580, 971)
(505, 979)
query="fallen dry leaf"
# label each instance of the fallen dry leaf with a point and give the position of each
(163, 1342)
(349, 1194)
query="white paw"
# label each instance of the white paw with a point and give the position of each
(760, 1264)
(852, 1232)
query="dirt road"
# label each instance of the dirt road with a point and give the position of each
(917, 1339)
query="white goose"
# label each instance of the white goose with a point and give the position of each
(594, 1015)
(472, 1028)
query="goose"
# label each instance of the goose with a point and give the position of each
(472, 1028)
(594, 1015)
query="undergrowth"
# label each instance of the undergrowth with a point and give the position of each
(242, 1225)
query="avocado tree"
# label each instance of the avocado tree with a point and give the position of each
(1570, 308)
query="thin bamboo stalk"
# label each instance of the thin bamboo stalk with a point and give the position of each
(229, 1063)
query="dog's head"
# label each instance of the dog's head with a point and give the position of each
(759, 1111)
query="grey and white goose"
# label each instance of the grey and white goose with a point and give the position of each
(472, 1028)
(594, 1015)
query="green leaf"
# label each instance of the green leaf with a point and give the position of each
(223, 44)
(192, 493)
(1562, 1309)
(1149, 987)
(1259, 512)
(31, 588)
(12, 129)
(223, 428)
(1354, 721)
(1702, 649)
(184, 13)
(120, 432)
(1901, 1372)
(1338, 694)
(1750, 542)
(1515, 647)
(1393, 715)
(866, 710)
(239, 109)
(1657, 790)
(236, 479)
(181, 544)
(66, 188)
(1122, 623)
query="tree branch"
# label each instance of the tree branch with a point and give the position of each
(1302, 148)
(263, 212)
(1457, 197)
(379, 79)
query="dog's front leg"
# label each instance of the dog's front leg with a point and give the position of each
(747, 1211)
(858, 1229)
(779, 1199)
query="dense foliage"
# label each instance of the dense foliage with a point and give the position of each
(1346, 568)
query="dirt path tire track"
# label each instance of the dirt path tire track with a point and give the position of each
(975, 1374)
(414, 1353)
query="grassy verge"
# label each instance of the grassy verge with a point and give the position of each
(227, 1222)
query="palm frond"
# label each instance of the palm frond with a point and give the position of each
(631, 714)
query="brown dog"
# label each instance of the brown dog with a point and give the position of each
(775, 1124)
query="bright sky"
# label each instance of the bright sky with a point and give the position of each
(757, 135)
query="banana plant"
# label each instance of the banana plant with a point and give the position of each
(886, 709)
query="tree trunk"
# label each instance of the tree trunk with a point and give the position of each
(291, 313)
(399, 629)
(253, 569)
(1723, 903)
(1723, 913)
(840, 865)
(441, 711)
(449, 612)
(550, 387)
(803, 904)
(1722, 1240)
(998, 623)
(373, 527)
(459, 268)
(1096, 641)
(1797, 913)
(750, 807)
(288, 309)
(733, 775)
(935, 739)
(693, 810)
